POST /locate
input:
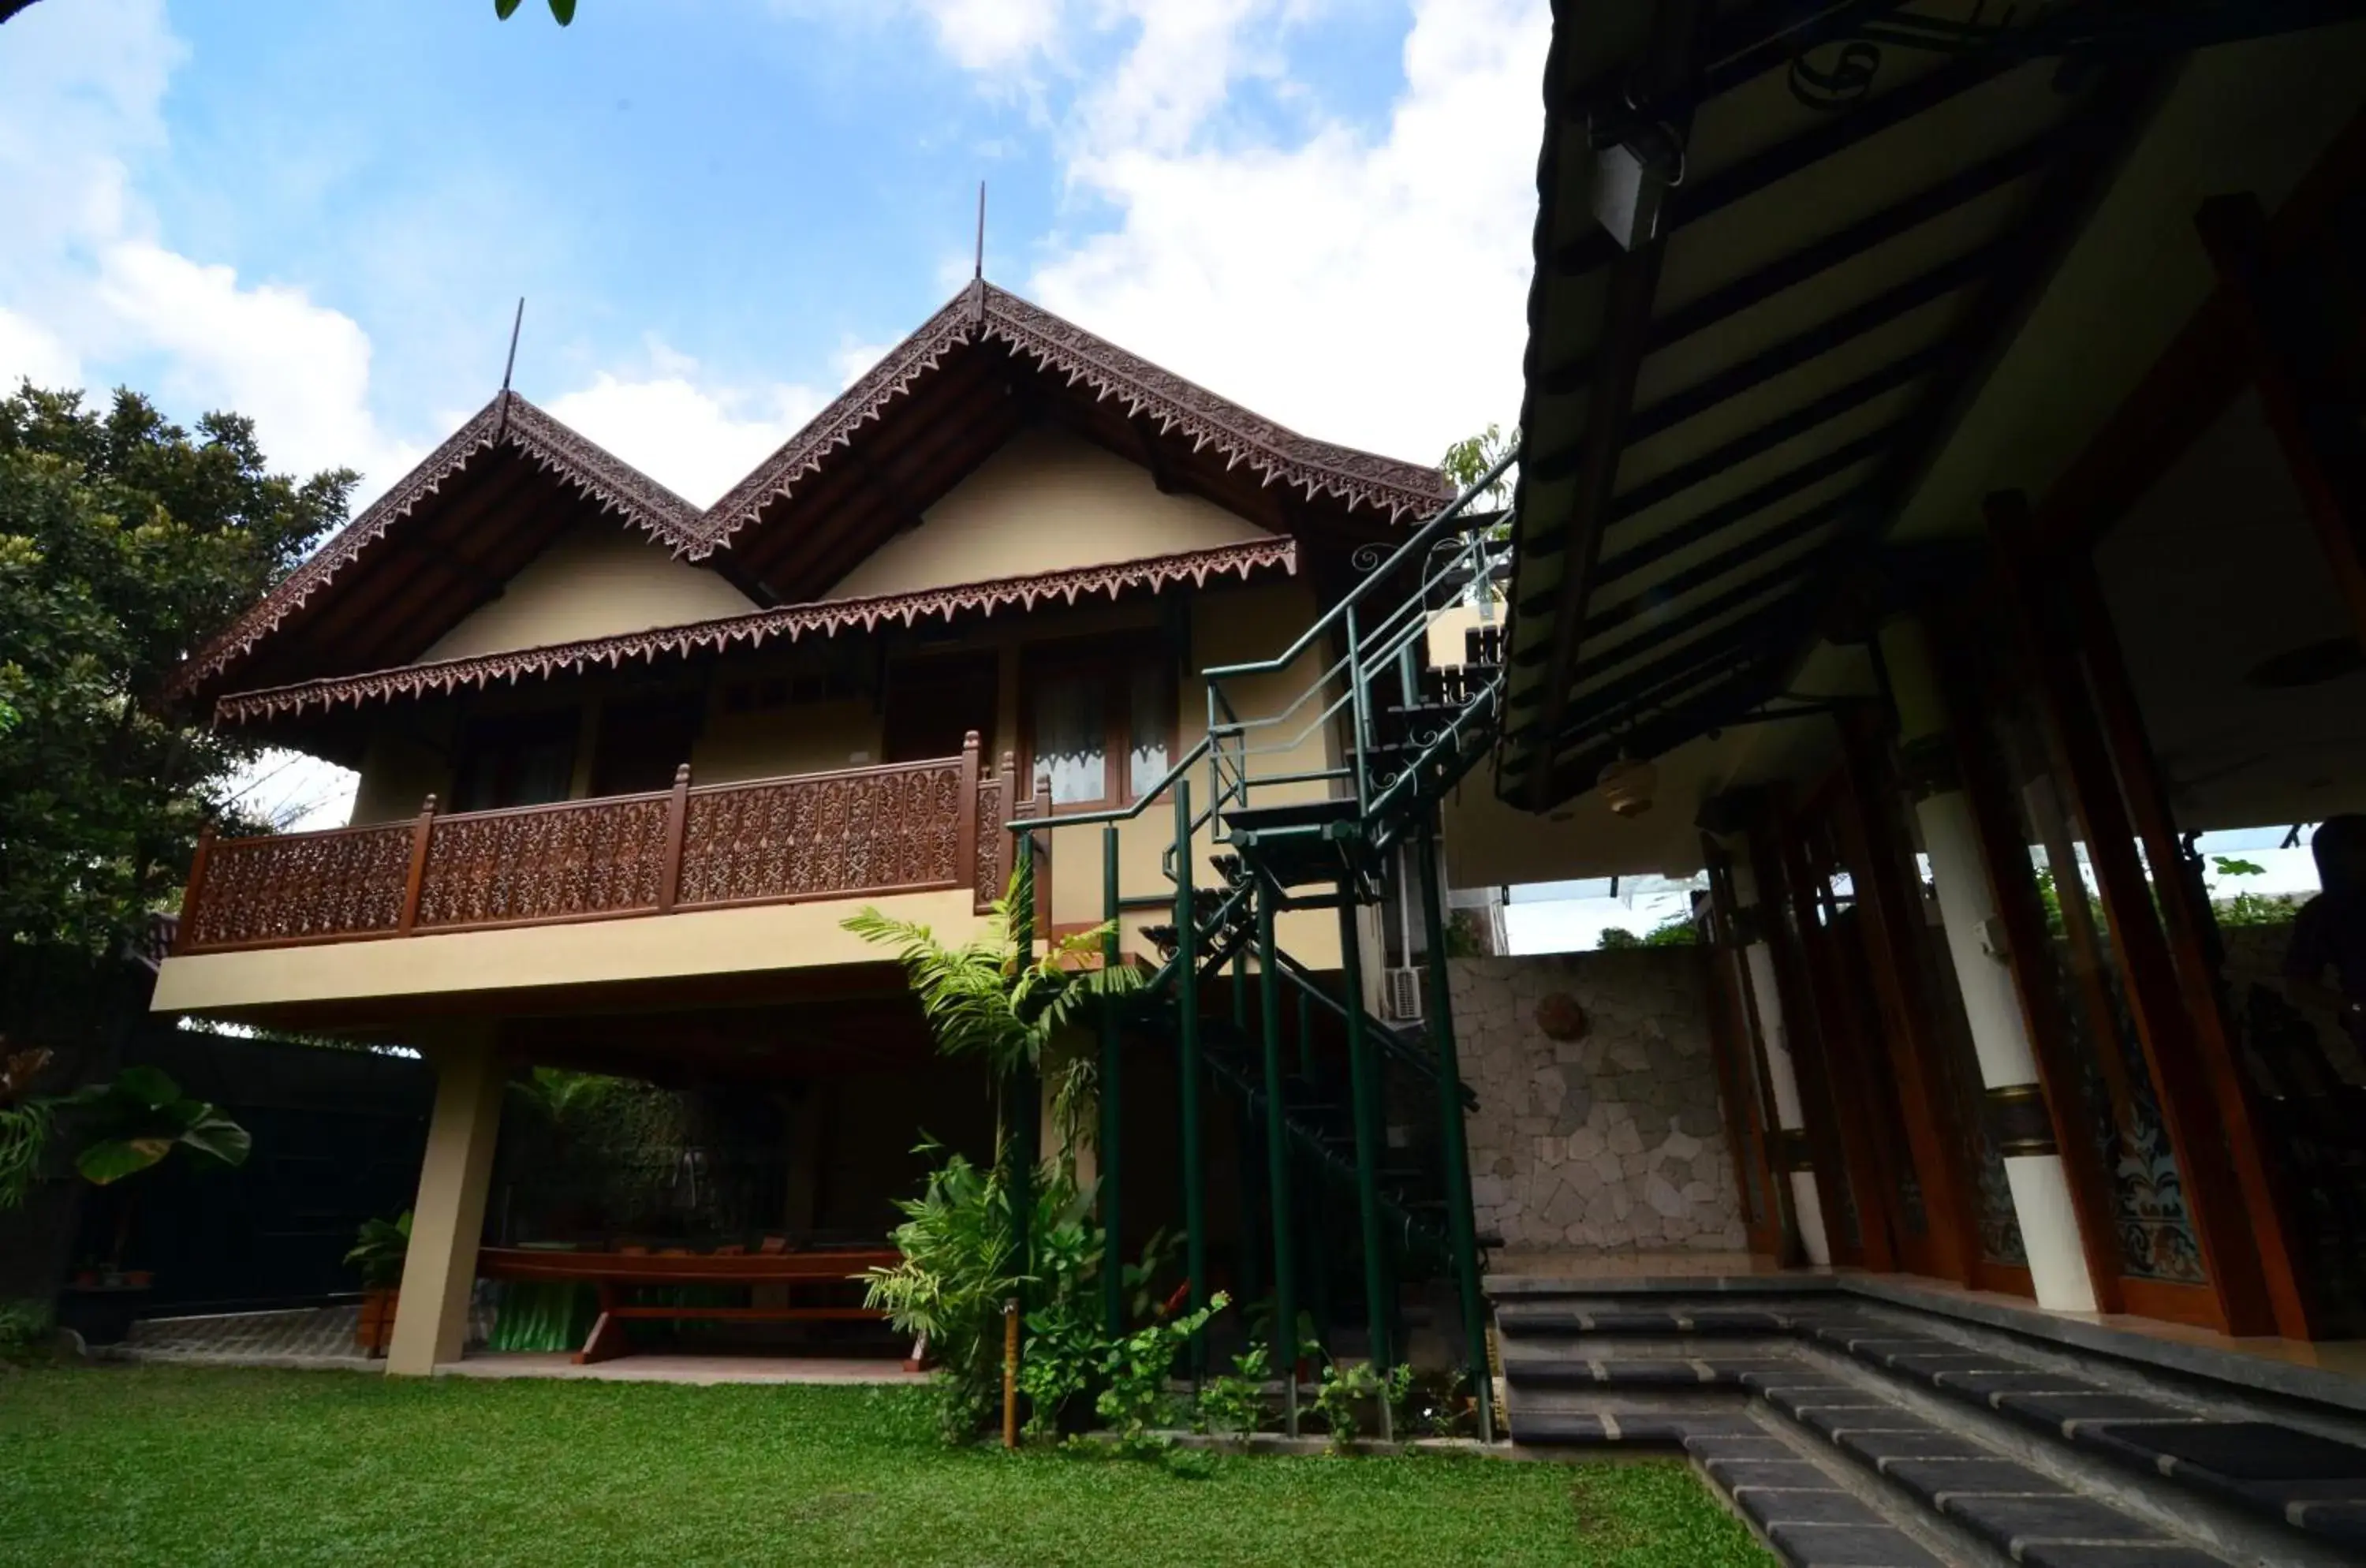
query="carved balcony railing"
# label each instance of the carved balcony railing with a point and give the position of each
(863, 833)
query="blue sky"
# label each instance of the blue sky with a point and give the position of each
(721, 210)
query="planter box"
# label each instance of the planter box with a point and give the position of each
(374, 1330)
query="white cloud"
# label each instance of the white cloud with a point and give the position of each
(90, 292)
(29, 354)
(300, 370)
(1363, 286)
(696, 439)
(992, 35)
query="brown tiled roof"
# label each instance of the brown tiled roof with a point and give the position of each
(1176, 407)
(825, 618)
(603, 477)
(1277, 454)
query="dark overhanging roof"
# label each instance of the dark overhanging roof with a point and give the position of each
(985, 367)
(1720, 424)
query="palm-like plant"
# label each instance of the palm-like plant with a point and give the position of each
(24, 1124)
(988, 1000)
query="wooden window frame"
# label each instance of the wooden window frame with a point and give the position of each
(1120, 656)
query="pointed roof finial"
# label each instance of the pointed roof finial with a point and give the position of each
(508, 366)
(978, 271)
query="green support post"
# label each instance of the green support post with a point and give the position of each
(1111, 1154)
(1364, 1097)
(1308, 1067)
(1462, 1222)
(1277, 1155)
(1187, 1016)
(1251, 1288)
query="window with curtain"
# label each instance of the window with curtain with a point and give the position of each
(1101, 725)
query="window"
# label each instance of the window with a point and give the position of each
(1101, 724)
(526, 760)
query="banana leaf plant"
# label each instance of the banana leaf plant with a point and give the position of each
(135, 1122)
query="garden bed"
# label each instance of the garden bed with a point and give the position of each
(221, 1466)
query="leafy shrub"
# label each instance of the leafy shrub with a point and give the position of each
(1233, 1406)
(25, 1327)
(1345, 1388)
(1064, 1340)
(960, 1264)
(1134, 1370)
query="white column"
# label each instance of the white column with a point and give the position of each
(431, 1323)
(1782, 1076)
(2040, 1190)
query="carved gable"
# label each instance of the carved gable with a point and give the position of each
(598, 578)
(1046, 501)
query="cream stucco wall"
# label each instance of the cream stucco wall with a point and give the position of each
(401, 767)
(1047, 502)
(599, 580)
(764, 939)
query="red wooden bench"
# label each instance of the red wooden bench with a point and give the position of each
(616, 1275)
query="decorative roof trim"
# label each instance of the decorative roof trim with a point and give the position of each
(824, 618)
(509, 419)
(1275, 453)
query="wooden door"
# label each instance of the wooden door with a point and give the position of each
(934, 703)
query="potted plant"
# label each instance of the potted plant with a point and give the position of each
(378, 1251)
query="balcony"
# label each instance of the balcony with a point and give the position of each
(927, 827)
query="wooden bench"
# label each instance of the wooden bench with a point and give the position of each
(616, 1275)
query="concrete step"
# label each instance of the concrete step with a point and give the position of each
(1963, 1450)
(2280, 1474)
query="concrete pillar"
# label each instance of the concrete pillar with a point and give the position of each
(448, 1218)
(2041, 1191)
(1783, 1076)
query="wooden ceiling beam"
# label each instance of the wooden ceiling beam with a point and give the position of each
(1834, 332)
(1722, 304)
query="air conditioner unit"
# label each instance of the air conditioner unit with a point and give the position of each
(1401, 994)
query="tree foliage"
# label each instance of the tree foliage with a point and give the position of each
(562, 11)
(125, 543)
(1467, 462)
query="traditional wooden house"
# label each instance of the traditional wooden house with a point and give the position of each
(627, 765)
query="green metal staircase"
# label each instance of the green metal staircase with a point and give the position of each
(1400, 735)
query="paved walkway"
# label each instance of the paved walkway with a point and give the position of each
(316, 1337)
(719, 1367)
(323, 1338)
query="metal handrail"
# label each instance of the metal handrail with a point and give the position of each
(1421, 539)
(1117, 813)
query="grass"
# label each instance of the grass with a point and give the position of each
(189, 1465)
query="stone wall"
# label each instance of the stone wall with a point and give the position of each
(1598, 1126)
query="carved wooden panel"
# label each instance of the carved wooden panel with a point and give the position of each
(301, 887)
(993, 843)
(868, 832)
(592, 857)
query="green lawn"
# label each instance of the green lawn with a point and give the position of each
(184, 1465)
